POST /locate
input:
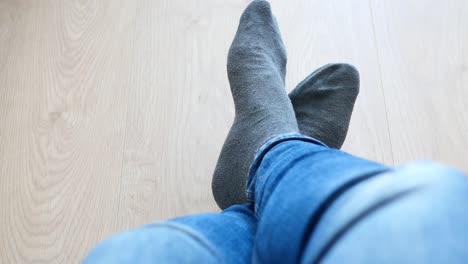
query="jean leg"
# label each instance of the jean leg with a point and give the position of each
(414, 214)
(308, 199)
(292, 184)
(226, 237)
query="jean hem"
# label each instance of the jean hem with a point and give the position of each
(263, 150)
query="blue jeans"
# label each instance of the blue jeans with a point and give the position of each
(312, 204)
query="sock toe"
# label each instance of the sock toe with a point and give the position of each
(258, 8)
(328, 77)
(324, 101)
(341, 75)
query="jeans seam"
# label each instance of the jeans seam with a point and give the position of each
(329, 201)
(273, 188)
(355, 220)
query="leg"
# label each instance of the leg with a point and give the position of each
(316, 204)
(226, 237)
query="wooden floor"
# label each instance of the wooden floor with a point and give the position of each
(112, 112)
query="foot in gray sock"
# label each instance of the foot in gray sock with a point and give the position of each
(324, 102)
(256, 70)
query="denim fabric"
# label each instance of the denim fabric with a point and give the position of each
(226, 237)
(315, 204)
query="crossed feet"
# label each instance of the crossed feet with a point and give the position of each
(319, 107)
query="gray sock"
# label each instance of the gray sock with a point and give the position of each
(256, 70)
(324, 101)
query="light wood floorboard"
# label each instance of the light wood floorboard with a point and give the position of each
(112, 113)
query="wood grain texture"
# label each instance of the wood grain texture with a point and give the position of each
(423, 53)
(320, 32)
(112, 113)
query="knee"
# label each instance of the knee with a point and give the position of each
(433, 181)
(431, 174)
